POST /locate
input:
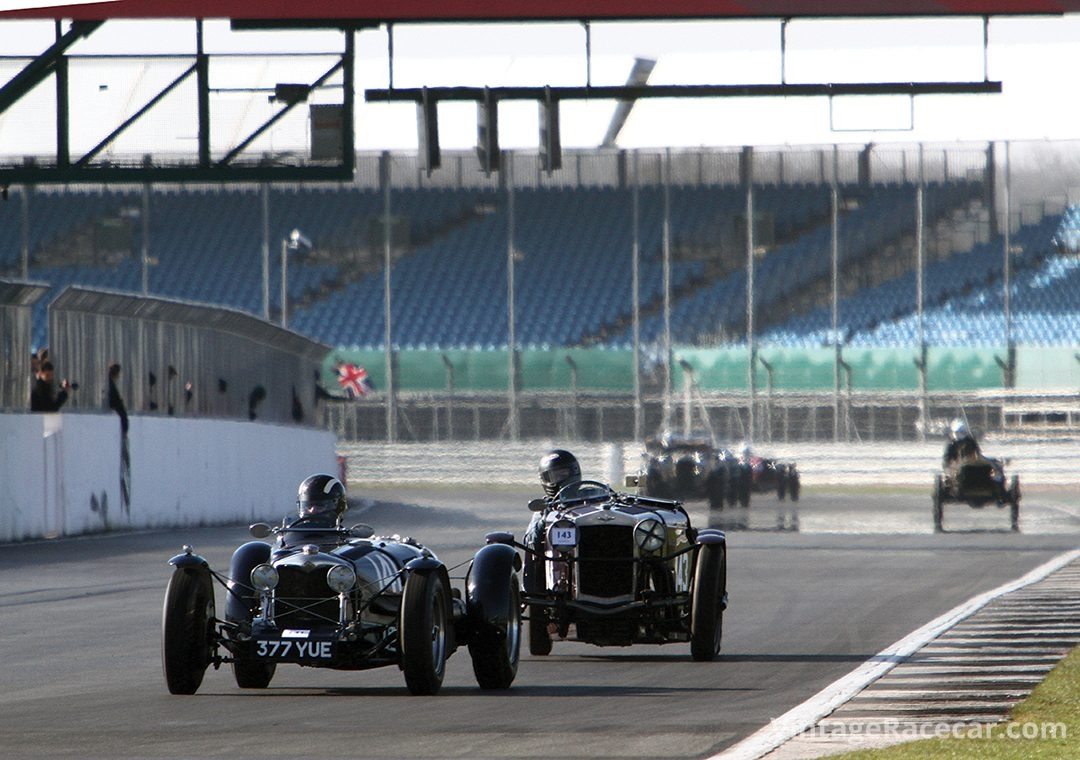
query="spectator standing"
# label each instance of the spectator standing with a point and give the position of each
(116, 401)
(43, 396)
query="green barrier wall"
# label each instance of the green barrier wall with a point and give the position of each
(872, 369)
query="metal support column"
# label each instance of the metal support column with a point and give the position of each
(24, 223)
(920, 274)
(512, 342)
(635, 286)
(145, 218)
(667, 287)
(834, 194)
(63, 149)
(266, 250)
(202, 77)
(388, 262)
(751, 349)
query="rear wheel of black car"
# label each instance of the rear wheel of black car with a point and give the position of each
(793, 486)
(495, 653)
(187, 622)
(715, 488)
(938, 505)
(422, 632)
(781, 482)
(707, 613)
(744, 491)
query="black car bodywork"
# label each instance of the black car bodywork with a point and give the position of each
(773, 475)
(976, 480)
(292, 602)
(614, 569)
(691, 466)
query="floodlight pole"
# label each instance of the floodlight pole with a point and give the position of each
(667, 287)
(635, 286)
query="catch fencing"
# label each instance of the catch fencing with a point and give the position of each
(17, 301)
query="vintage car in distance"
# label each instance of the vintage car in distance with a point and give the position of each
(691, 466)
(615, 569)
(976, 480)
(767, 475)
(325, 596)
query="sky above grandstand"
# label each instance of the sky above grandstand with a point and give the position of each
(1034, 57)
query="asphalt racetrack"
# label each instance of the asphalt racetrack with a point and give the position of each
(81, 672)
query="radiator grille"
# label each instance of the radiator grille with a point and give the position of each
(614, 576)
(304, 598)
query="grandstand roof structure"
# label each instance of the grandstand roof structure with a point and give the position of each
(519, 10)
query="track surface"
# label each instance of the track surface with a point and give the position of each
(81, 675)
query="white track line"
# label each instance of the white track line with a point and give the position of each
(804, 716)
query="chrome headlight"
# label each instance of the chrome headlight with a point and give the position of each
(562, 535)
(649, 535)
(264, 577)
(341, 578)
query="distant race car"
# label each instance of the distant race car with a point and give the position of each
(771, 475)
(324, 596)
(615, 569)
(691, 466)
(976, 480)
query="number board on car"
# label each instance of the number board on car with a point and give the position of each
(294, 650)
(564, 536)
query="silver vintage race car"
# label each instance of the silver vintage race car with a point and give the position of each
(325, 596)
(615, 569)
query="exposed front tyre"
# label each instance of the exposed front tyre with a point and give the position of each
(1014, 503)
(253, 675)
(422, 632)
(187, 629)
(539, 638)
(707, 613)
(793, 486)
(496, 650)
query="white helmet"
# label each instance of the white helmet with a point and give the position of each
(958, 430)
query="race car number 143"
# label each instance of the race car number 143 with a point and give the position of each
(319, 650)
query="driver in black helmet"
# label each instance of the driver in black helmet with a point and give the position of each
(320, 502)
(558, 469)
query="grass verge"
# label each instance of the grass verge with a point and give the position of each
(1045, 725)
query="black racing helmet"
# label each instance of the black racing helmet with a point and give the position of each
(558, 469)
(321, 494)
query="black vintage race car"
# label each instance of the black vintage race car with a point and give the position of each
(976, 480)
(771, 475)
(614, 569)
(324, 596)
(691, 466)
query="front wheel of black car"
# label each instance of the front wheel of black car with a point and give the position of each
(187, 622)
(539, 638)
(422, 632)
(495, 653)
(1014, 503)
(253, 675)
(793, 485)
(938, 506)
(707, 613)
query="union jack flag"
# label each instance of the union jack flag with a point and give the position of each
(354, 380)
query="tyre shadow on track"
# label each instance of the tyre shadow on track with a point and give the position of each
(722, 658)
(554, 690)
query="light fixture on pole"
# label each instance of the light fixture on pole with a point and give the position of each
(294, 242)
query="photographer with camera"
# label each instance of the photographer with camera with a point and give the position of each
(43, 396)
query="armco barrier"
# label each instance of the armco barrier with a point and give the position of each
(501, 462)
(65, 474)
